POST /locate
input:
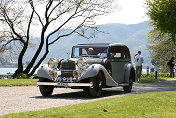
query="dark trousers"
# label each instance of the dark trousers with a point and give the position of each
(171, 72)
(138, 71)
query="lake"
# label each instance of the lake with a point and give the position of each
(7, 70)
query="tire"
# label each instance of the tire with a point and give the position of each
(127, 89)
(45, 90)
(96, 89)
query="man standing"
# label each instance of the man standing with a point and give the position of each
(138, 61)
(171, 63)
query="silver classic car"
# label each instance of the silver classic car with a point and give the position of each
(91, 68)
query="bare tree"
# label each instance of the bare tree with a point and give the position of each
(21, 20)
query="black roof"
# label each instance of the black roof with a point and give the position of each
(101, 44)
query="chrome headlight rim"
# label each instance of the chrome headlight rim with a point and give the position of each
(53, 74)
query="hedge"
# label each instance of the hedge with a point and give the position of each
(152, 75)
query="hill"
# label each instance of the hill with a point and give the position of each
(134, 36)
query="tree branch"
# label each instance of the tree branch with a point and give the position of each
(67, 34)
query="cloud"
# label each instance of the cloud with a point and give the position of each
(129, 12)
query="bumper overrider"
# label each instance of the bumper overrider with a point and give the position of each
(66, 85)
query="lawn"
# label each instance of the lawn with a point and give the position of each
(149, 105)
(17, 82)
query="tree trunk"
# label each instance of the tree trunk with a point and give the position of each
(41, 60)
(20, 61)
(31, 64)
(38, 64)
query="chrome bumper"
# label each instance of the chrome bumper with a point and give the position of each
(65, 84)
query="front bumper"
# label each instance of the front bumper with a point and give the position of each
(66, 85)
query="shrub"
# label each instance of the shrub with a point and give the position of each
(152, 75)
(22, 76)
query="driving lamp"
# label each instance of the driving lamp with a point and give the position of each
(52, 74)
(82, 63)
(76, 74)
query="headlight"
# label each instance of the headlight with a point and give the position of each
(82, 63)
(53, 74)
(76, 74)
(52, 63)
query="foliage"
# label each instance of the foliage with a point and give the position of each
(160, 50)
(22, 20)
(152, 75)
(150, 105)
(5, 77)
(22, 76)
(17, 82)
(162, 38)
(162, 14)
(151, 78)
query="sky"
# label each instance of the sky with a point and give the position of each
(128, 12)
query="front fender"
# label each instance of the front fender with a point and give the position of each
(92, 71)
(43, 72)
(128, 69)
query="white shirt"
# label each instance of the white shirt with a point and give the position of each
(139, 60)
(103, 55)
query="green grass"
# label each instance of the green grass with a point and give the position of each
(149, 105)
(17, 82)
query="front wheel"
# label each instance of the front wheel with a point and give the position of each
(96, 89)
(45, 90)
(128, 88)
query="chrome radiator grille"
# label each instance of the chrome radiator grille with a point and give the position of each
(68, 65)
(67, 68)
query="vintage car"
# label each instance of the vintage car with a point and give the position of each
(91, 68)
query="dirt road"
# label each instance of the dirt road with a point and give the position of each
(27, 98)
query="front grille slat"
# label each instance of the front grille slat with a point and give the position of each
(69, 65)
(65, 66)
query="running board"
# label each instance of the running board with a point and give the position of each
(123, 84)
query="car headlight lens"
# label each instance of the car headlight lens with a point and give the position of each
(52, 63)
(53, 74)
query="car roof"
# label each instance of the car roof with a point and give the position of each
(101, 44)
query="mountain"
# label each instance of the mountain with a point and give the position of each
(132, 35)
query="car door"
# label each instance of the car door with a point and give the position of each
(118, 57)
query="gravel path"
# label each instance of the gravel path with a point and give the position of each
(27, 98)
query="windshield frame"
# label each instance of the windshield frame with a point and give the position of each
(88, 46)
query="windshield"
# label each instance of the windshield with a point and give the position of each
(97, 52)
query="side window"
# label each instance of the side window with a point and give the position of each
(119, 53)
(116, 53)
(76, 52)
